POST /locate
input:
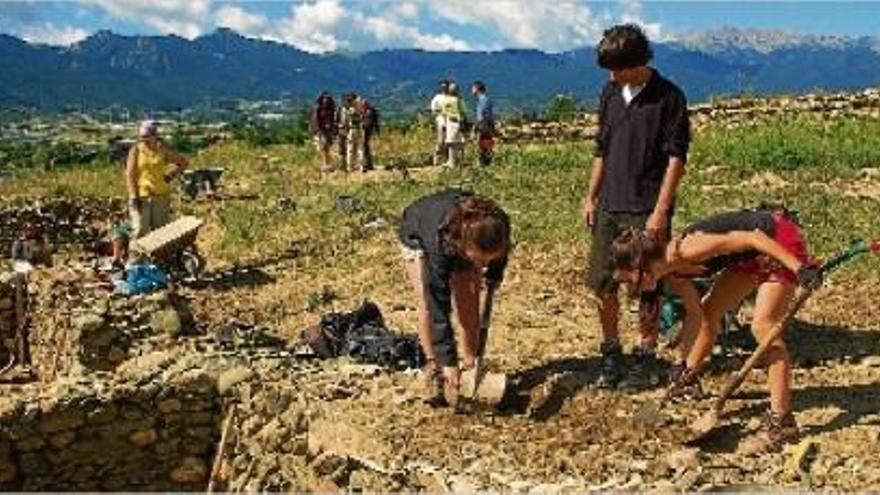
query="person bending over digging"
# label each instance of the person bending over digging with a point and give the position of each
(147, 176)
(450, 240)
(759, 250)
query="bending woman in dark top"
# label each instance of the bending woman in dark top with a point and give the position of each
(451, 240)
(749, 250)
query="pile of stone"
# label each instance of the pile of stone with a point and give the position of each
(738, 112)
(728, 113)
(79, 325)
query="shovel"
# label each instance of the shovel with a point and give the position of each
(707, 423)
(478, 384)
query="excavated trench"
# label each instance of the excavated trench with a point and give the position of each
(101, 434)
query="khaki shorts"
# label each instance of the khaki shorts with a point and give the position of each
(154, 212)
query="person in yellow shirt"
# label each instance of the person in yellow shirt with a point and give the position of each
(454, 111)
(147, 176)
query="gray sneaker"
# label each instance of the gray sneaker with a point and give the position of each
(645, 372)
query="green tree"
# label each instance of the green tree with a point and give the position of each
(562, 107)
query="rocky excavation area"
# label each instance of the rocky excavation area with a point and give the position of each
(135, 393)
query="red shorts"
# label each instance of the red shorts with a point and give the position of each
(486, 143)
(763, 268)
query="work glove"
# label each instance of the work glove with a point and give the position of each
(810, 277)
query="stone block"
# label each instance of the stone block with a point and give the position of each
(166, 322)
(196, 446)
(89, 323)
(30, 444)
(143, 438)
(200, 418)
(61, 421)
(62, 440)
(169, 406)
(233, 377)
(167, 447)
(190, 470)
(101, 416)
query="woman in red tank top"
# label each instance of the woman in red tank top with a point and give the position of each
(748, 251)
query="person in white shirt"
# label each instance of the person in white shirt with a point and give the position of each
(440, 150)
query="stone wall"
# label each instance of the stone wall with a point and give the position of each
(138, 431)
(13, 319)
(729, 113)
(67, 221)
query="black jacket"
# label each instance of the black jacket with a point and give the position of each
(423, 228)
(636, 141)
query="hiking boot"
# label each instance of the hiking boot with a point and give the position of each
(684, 383)
(644, 373)
(775, 432)
(611, 367)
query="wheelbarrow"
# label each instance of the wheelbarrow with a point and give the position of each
(172, 248)
(203, 180)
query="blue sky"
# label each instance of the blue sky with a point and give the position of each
(328, 25)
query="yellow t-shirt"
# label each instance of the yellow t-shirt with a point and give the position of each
(152, 167)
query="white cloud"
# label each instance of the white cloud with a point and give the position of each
(405, 10)
(550, 26)
(240, 20)
(327, 25)
(50, 34)
(391, 33)
(185, 18)
(315, 27)
(633, 11)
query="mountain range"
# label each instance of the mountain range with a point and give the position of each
(167, 72)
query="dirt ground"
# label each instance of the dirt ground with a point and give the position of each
(556, 432)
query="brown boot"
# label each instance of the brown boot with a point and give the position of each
(776, 431)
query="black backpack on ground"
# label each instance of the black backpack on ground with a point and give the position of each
(362, 335)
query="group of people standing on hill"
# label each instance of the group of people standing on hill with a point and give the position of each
(454, 241)
(352, 125)
(453, 124)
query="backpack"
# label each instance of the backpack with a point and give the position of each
(371, 118)
(362, 335)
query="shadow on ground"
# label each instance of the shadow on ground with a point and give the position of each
(811, 346)
(564, 377)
